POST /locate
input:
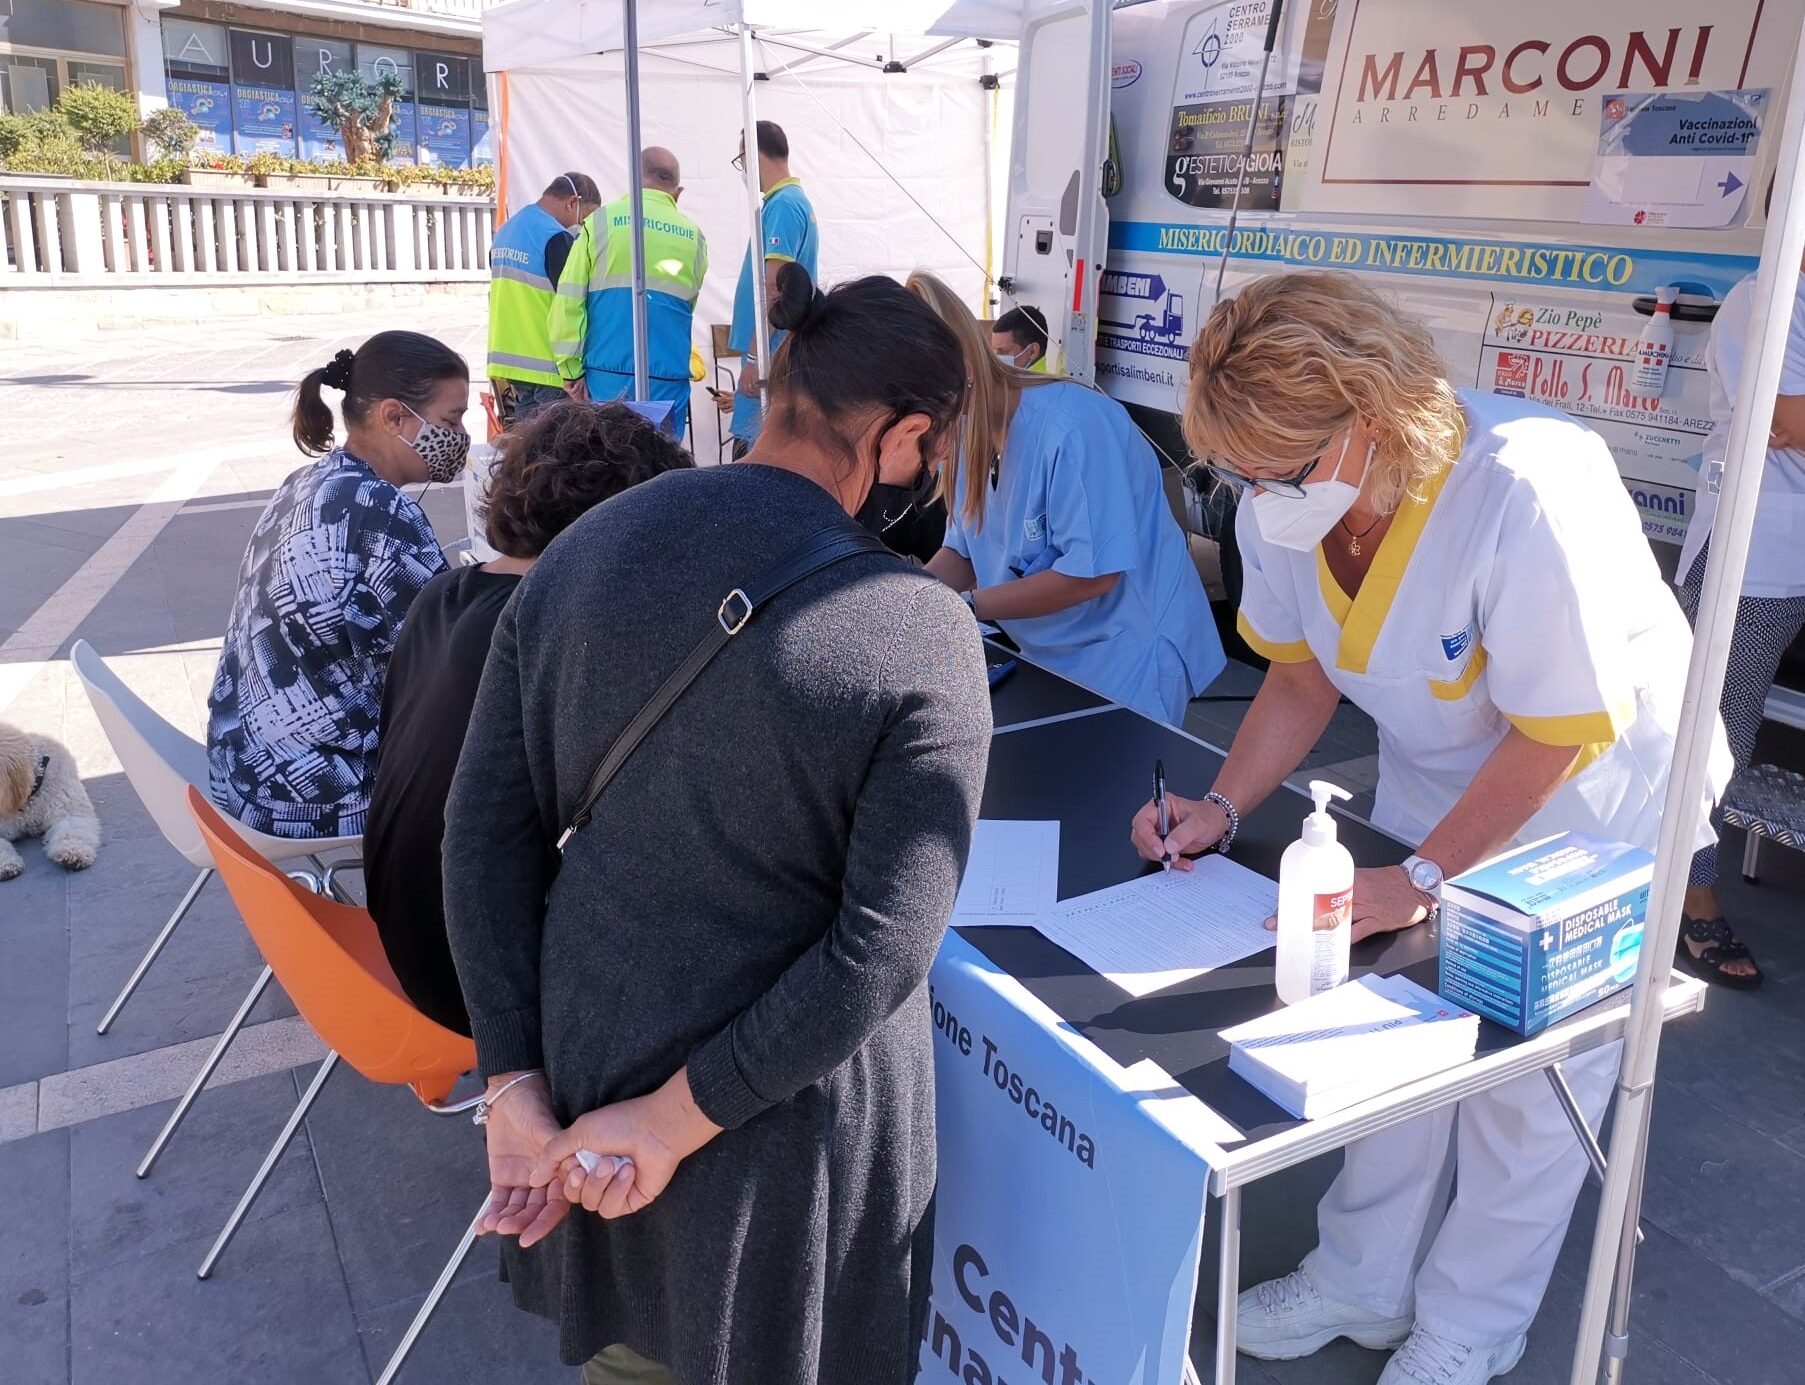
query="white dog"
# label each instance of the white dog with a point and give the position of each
(41, 795)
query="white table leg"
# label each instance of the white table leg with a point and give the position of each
(1228, 1285)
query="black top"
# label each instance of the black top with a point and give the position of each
(758, 898)
(557, 251)
(426, 704)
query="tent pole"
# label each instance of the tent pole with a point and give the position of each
(755, 216)
(637, 205)
(1783, 245)
(1253, 125)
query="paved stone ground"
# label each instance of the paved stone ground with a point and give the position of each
(131, 471)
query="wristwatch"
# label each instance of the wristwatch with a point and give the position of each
(1425, 878)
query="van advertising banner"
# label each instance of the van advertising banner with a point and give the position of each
(1494, 109)
(1068, 1221)
(1580, 360)
(1213, 98)
(1675, 158)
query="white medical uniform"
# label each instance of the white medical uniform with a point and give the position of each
(1776, 567)
(1079, 491)
(1519, 591)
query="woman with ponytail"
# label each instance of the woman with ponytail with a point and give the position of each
(1058, 530)
(331, 569)
(718, 989)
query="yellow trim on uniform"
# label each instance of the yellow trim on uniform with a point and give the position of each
(1582, 728)
(1360, 631)
(1587, 754)
(1297, 652)
(1454, 689)
(782, 259)
(782, 183)
(1334, 595)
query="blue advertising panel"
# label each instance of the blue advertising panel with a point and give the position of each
(445, 135)
(320, 142)
(482, 144)
(263, 121)
(402, 126)
(208, 105)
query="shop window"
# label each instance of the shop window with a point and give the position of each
(73, 26)
(28, 84)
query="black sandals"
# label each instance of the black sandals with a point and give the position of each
(1721, 948)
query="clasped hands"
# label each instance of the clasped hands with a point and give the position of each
(1384, 899)
(535, 1177)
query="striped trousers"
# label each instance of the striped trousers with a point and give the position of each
(1765, 627)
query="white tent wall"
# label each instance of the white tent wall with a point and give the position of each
(927, 128)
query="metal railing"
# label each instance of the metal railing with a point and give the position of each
(58, 232)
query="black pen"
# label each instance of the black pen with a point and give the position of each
(1159, 800)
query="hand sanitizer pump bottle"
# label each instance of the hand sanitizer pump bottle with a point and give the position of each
(1316, 905)
(1653, 351)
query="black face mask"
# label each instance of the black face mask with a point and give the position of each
(888, 506)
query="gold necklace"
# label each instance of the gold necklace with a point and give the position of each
(1353, 539)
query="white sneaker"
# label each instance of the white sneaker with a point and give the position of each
(1283, 1319)
(1428, 1359)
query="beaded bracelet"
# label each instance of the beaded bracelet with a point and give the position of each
(1227, 839)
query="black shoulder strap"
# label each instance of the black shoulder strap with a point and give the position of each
(736, 610)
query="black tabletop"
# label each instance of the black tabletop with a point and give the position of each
(1093, 773)
(1029, 693)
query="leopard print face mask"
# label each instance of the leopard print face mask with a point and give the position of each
(443, 449)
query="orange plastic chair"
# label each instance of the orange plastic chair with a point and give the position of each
(330, 961)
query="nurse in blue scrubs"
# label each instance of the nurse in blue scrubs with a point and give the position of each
(1059, 531)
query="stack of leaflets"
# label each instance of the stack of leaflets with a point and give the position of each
(1356, 1041)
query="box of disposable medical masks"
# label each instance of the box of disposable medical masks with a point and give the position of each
(1531, 936)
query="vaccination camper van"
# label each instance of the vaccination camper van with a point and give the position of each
(1531, 178)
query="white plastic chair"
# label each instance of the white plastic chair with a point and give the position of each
(160, 763)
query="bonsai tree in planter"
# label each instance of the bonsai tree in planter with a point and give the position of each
(363, 112)
(100, 117)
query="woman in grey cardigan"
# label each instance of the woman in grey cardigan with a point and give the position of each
(722, 981)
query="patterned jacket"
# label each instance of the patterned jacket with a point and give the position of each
(296, 706)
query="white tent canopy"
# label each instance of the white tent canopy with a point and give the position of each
(898, 163)
(527, 32)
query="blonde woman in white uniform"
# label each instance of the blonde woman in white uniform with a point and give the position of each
(1468, 570)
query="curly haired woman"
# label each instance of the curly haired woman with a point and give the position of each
(561, 463)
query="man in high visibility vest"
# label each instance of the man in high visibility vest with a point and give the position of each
(525, 259)
(790, 235)
(592, 317)
(1019, 336)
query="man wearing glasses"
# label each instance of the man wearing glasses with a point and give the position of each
(790, 234)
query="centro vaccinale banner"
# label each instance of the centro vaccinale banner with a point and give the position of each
(1068, 1221)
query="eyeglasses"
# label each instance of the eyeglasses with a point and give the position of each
(1291, 486)
(739, 163)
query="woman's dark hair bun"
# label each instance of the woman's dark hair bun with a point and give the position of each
(337, 374)
(798, 299)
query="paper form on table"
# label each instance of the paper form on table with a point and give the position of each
(1012, 875)
(1157, 930)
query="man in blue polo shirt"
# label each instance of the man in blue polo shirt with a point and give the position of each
(790, 234)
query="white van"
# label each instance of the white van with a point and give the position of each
(1525, 176)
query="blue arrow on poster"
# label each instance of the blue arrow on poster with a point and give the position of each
(1121, 285)
(1730, 184)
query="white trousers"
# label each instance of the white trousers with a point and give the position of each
(1474, 1268)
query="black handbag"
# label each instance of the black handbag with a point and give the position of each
(735, 612)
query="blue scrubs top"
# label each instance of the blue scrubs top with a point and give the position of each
(790, 234)
(1080, 491)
